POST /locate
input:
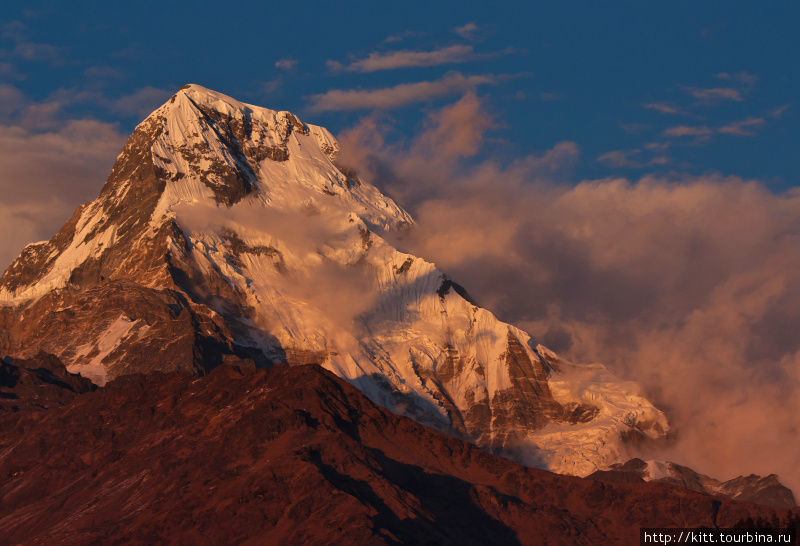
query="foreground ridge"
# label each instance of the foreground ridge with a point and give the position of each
(295, 455)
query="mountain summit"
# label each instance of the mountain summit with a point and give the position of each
(227, 233)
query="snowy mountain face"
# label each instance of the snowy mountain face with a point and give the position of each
(227, 233)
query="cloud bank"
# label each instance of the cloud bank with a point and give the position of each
(48, 167)
(689, 285)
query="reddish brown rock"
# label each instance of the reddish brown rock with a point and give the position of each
(297, 456)
(766, 490)
(38, 384)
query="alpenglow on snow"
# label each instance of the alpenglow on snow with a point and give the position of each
(227, 232)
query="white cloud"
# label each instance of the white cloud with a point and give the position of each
(715, 94)
(44, 175)
(745, 127)
(141, 102)
(399, 95)
(743, 77)
(400, 36)
(689, 131)
(392, 60)
(631, 158)
(25, 49)
(778, 112)
(664, 108)
(286, 64)
(468, 31)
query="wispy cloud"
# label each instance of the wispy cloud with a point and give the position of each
(286, 64)
(778, 112)
(468, 31)
(25, 49)
(11, 100)
(102, 73)
(49, 166)
(399, 95)
(47, 174)
(739, 85)
(714, 94)
(50, 113)
(270, 86)
(141, 102)
(392, 60)
(32, 51)
(743, 77)
(665, 108)
(7, 70)
(400, 36)
(657, 145)
(633, 128)
(631, 158)
(745, 127)
(701, 131)
(18, 110)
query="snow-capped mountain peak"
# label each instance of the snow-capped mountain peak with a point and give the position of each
(235, 150)
(227, 232)
(204, 148)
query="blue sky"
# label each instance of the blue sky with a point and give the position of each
(640, 87)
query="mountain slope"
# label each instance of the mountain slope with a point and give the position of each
(39, 382)
(766, 490)
(295, 455)
(227, 233)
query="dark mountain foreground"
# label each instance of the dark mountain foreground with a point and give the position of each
(40, 382)
(766, 490)
(294, 455)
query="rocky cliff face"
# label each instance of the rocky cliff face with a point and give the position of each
(226, 233)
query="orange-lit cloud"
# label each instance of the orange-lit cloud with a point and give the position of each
(690, 131)
(664, 108)
(392, 60)
(468, 31)
(690, 285)
(745, 127)
(399, 95)
(139, 103)
(22, 48)
(286, 64)
(631, 158)
(715, 94)
(47, 168)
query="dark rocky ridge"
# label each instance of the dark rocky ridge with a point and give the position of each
(180, 335)
(41, 382)
(766, 490)
(295, 455)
